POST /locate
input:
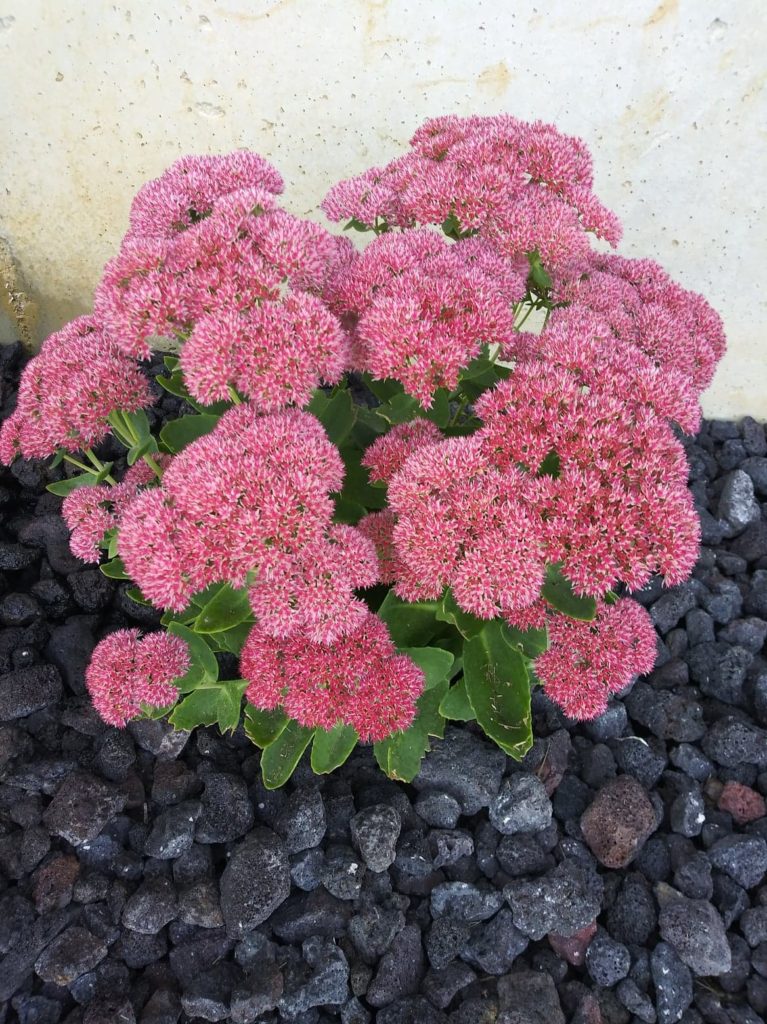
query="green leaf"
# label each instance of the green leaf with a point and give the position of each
(401, 408)
(135, 595)
(279, 759)
(229, 704)
(331, 747)
(65, 487)
(336, 414)
(348, 511)
(468, 625)
(170, 362)
(498, 689)
(400, 755)
(147, 446)
(558, 592)
(233, 640)
(112, 537)
(439, 412)
(531, 642)
(411, 624)
(204, 667)
(550, 465)
(452, 226)
(263, 727)
(148, 711)
(226, 609)
(357, 486)
(177, 434)
(383, 389)
(433, 662)
(456, 704)
(356, 225)
(199, 708)
(538, 275)
(115, 569)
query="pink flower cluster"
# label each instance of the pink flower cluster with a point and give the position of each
(462, 523)
(359, 680)
(424, 307)
(250, 503)
(67, 392)
(91, 512)
(587, 661)
(630, 328)
(128, 670)
(187, 192)
(619, 508)
(525, 183)
(209, 254)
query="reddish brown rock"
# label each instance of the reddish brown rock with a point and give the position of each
(742, 802)
(573, 947)
(618, 822)
(53, 882)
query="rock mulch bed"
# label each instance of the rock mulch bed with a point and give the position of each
(618, 875)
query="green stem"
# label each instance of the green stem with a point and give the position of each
(99, 466)
(457, 414)
(518, 326)
(153, 465)
(234, 396)
(76, 462)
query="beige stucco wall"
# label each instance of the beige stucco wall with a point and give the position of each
(670, 96)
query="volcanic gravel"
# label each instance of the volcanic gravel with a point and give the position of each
(617, 875)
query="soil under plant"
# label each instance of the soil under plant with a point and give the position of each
(616, 875)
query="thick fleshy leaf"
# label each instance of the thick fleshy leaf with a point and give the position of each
(400, 409)
(115, 569)
(558, 592)
(439, 412)
(411, 624)
(331, 747)
(135, 595)
(279, 759)
(468, 625)
(357, 486)
(335, 413)
(227, 608)
(433, 662)
(199, 708)
(64, 487)
(456, 704)
(263, 727)
(384, 390)
(531, 642)
(177, 434)
(229, 705)
(232, 640)
(204, 668)
(498, 688)
(400, 755)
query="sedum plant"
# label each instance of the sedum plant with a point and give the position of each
(410, 480)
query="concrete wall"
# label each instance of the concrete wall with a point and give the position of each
(669, 96)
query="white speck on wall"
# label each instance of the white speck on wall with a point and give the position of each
(668, 94)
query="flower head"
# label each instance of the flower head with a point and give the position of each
(187, 191)
(587, 661)
(67, 392)
(359, 680)
(128, 670)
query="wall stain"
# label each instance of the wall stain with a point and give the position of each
(273, 8)
(495, 79)
(664, 10)
(14, 300)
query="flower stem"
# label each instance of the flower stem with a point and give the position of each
(153, 465)
(76, 462)
(99, 465)
(234, 396)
